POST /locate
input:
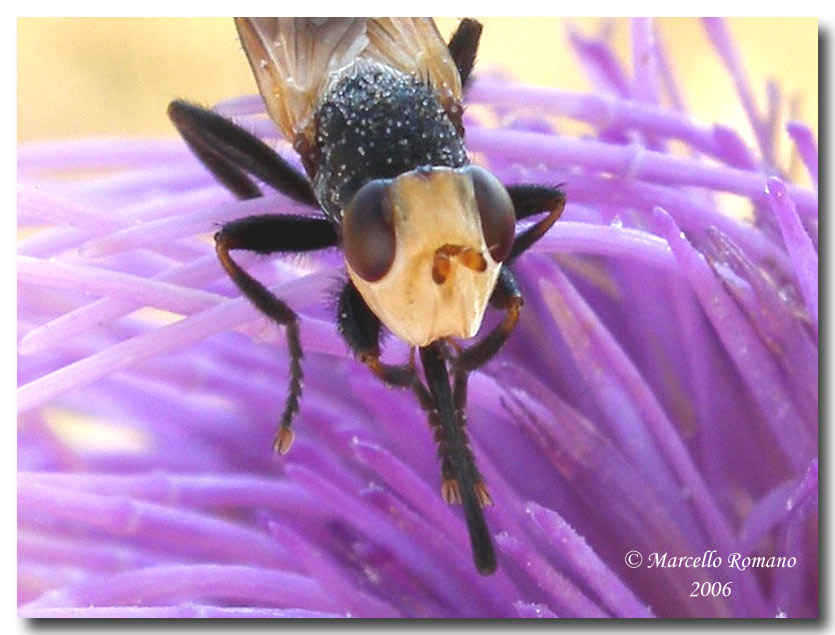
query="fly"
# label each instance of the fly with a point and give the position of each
(374, 107)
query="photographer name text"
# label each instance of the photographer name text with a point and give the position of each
(712, 560)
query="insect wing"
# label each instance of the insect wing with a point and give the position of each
(414, 46)
(293, 59)
(296, 59)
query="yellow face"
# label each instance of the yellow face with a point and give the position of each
(441, 272)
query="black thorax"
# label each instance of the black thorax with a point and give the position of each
(378, 123)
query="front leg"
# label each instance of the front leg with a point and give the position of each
(361, 329)
(463, 361)
(505, 296)
(464, 483)
(269, 234)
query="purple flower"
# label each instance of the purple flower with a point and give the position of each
(656, 409)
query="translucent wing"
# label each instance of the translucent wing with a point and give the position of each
(414, 46)
(295, 60)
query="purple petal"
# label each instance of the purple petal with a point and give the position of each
(748, 352)
(614, 593)
(806, 146)
(800, 247)
(720, 37)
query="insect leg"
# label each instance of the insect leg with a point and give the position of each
(505, 296)
(230, 153)
(463, 46)
(527, 201)
(459, 397)
(461, 461)
(268, 234)
(360, 328)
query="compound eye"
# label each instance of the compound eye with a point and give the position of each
(368, 232)
(498, 220)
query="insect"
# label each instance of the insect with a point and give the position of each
(373, 106)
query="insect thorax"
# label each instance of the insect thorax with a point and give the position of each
(378, 123)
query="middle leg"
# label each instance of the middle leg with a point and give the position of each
(269, 234)
(529, 200)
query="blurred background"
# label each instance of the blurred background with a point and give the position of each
(115, 76)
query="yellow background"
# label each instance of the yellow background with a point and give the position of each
(79, 77)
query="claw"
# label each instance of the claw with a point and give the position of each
(451, 492)
(483, 495)
(283, 440)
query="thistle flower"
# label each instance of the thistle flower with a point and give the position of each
(659, 397)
